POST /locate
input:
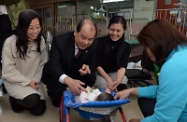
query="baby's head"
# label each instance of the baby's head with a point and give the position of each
(104, 96)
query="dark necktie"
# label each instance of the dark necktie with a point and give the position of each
(78, 54)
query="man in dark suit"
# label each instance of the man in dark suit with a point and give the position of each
(67, 67)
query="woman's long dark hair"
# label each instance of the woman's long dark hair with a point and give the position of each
(24, 21)
(161, 38)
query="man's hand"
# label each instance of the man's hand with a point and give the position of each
(34, 85)
(76, 86)
(85, 70)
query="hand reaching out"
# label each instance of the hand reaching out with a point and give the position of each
(34, 85)
(85, 70)
(125, 93)
(122, 94)
(76, 86)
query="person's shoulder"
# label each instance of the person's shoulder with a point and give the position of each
(179, 58)
(97, 41)
(64, 35)
(10, 43)
(126, 45)
(102, 38)
(11, 39)
(63, 38)
(43, 43)
(176, 63)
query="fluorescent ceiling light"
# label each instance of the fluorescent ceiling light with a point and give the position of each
(109, 1)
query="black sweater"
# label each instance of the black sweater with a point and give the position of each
(112, 55)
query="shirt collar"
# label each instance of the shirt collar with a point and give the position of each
(76, 49)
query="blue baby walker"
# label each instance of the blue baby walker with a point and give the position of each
(90, 110)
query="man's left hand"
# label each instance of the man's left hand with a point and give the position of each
(85, 70)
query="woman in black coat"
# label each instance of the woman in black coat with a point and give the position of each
(112, 56)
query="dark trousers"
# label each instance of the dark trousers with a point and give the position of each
(31, 103)
(55, 93)
(146, 106)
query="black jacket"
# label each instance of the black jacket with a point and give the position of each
(112, 55)
(62, 61)
(5, 30)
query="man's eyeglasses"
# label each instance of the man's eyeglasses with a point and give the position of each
(31, 29)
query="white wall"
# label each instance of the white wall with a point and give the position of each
(83, 8)
(82, 11)
(144, 9)
(66, 12)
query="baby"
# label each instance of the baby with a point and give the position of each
(94, 95)
(104, 96)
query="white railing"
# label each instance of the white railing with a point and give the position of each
(175, 16)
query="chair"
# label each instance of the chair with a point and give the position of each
(90, 110)
(137, 75)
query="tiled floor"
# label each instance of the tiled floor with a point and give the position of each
(131, 110)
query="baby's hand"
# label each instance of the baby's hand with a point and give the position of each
(107, 90)
(88, 88)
